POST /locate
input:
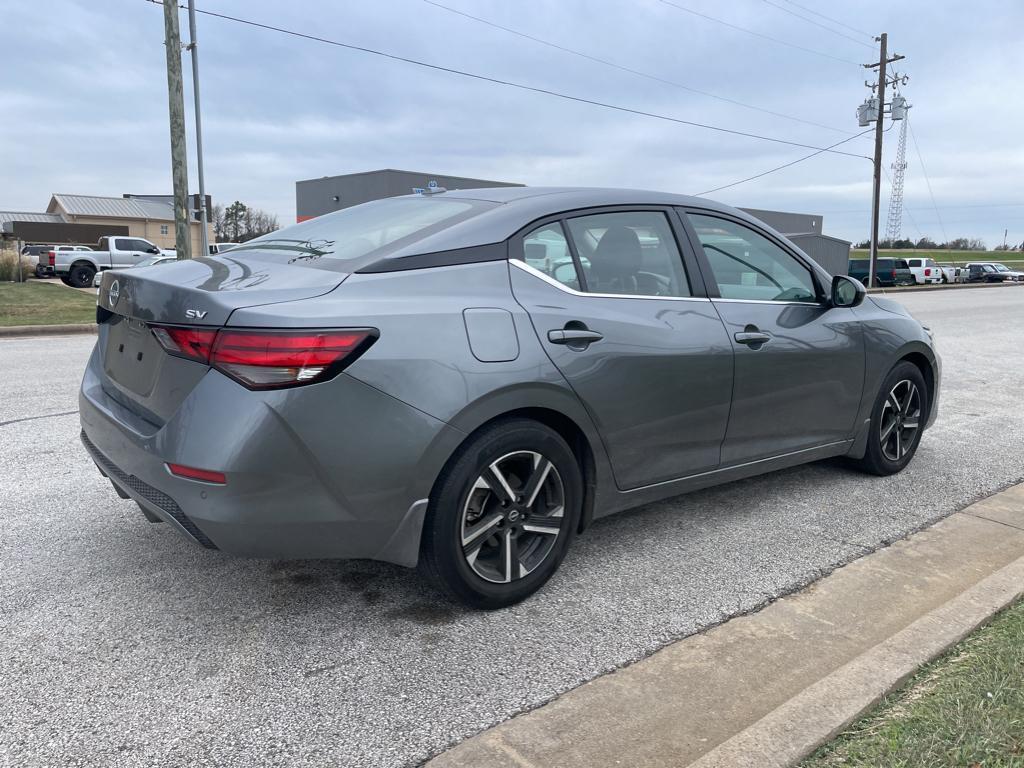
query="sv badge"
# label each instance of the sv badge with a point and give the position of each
(195, 314)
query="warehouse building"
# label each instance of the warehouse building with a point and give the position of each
(804, 230)
(315, 197)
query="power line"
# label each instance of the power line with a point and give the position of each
(924, 171)
(780, 167)
(520, 86)
(758, 34)
(829, 18)
(630, 70)
(818, 24)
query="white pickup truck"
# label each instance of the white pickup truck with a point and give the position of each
(77, 268)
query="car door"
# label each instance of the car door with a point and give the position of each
(629, 326)
(799, 363)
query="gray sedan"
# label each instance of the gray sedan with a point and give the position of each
(463, 381)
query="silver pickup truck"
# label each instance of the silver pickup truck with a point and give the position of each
(77, 268)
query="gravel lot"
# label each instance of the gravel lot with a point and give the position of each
(122, 644)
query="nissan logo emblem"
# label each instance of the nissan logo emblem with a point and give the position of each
(114, 293)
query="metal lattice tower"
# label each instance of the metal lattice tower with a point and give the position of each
(895, 224)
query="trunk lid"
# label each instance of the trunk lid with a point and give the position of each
(137, 372)
(206, 291)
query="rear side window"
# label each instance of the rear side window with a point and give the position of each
(914, 262)
(350, 234)
(748, 266)
(901, 264)
(631, 253)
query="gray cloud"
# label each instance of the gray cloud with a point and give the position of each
(86, 104)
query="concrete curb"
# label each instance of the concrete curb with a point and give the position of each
(767, 688)
(11, 331)
(822, 711)
(938, 287)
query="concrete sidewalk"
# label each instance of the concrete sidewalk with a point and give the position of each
(768, 688)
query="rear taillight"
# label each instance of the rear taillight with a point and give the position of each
(53, 258)
(190, 343)
(894, 274)
(927, 272)
(260, 359)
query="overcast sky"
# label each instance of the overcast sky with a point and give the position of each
(85, 97)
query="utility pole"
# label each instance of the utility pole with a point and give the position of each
(876, 196)
(193, 47)
(176, 104)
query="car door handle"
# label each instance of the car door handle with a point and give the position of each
(752, 338)
(574, 336)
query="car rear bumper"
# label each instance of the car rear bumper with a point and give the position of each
(332, 470)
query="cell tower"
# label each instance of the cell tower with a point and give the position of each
(895, 224)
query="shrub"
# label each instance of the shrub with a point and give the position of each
(9, 267)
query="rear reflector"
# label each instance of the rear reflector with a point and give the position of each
(192, 473)
(268, 359)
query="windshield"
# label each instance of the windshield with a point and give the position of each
(1001, 268)
(352, 233)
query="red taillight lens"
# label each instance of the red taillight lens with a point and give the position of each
(53, 258)
(190, 343)
(268, 359)
(894, 274)
(193, 473)
(927, 272)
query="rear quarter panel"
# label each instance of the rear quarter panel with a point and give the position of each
(423, 356)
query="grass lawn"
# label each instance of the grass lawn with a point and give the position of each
(38, 303)
(1012, 259)
(966, 709)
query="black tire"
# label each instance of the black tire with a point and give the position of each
(458, 500)
(81, 275)
(892, 454)
(40, 272)
(65, 279)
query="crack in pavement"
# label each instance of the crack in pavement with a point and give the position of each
(990, 520)
(33, 418)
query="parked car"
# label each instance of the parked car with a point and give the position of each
(888, 272)
(1006, 274)
(152, 261)
(41, 254)
(397, 381)
(925, 271)
(79, 269)
(950, 273)
(983, 273)
(216, 248)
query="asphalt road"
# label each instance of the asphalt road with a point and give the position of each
(122, 644)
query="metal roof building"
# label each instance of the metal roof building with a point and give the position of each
(804, 230)
(315, 197)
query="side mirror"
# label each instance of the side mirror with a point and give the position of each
(847, 292)
(153, 250)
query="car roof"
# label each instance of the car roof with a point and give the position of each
(513, 208)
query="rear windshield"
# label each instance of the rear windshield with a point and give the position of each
(360, 233)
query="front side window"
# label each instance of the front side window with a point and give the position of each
(547, 250)
(631, 253)
(747, 265)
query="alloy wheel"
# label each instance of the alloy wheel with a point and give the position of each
(512, 517)
(900, 420)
